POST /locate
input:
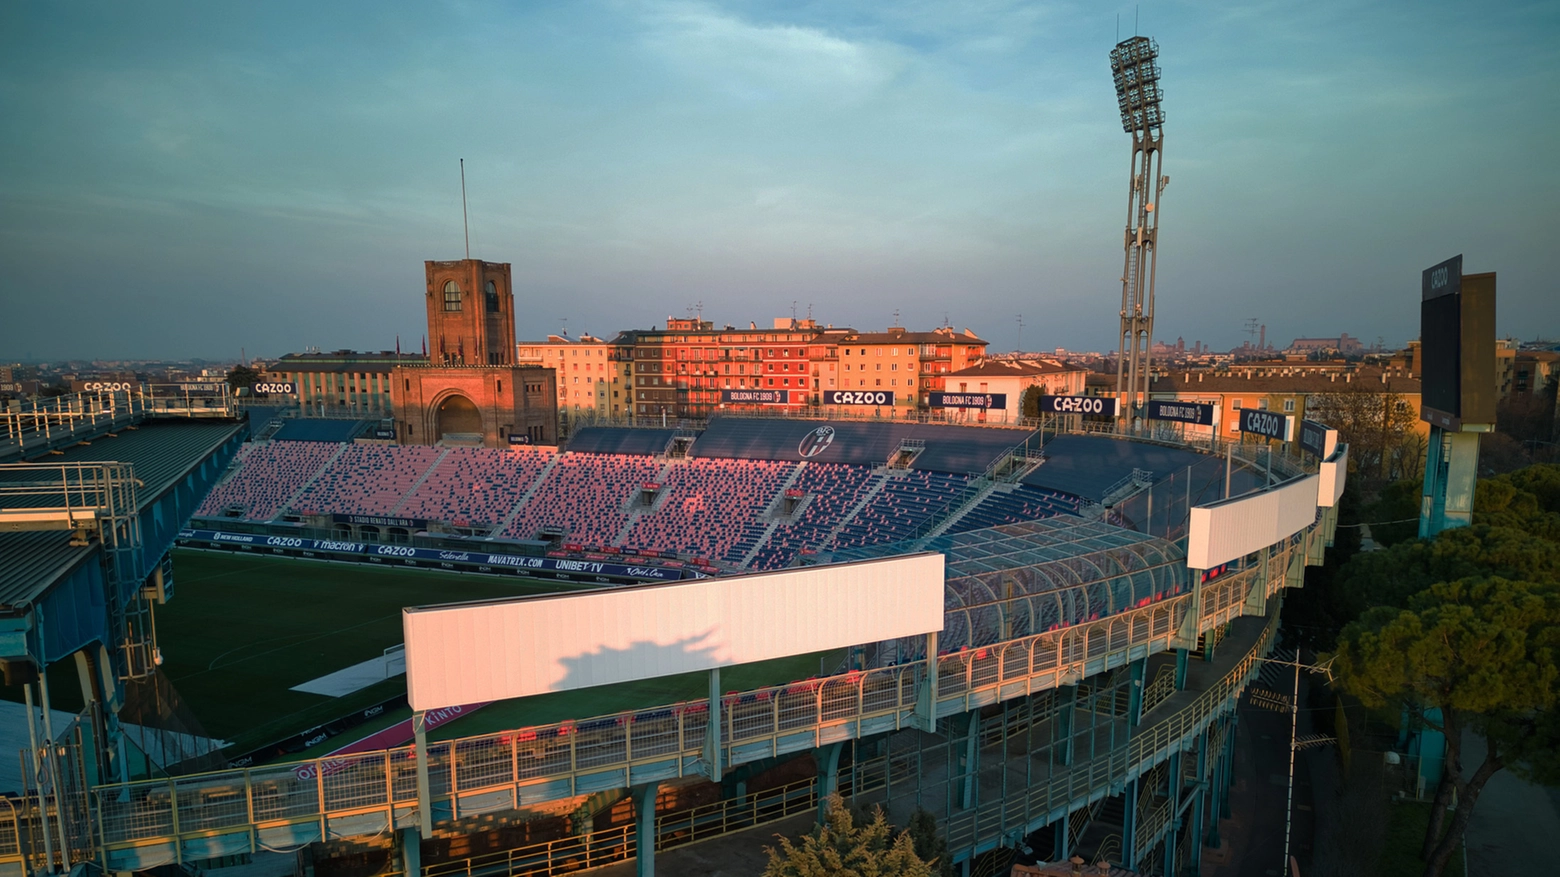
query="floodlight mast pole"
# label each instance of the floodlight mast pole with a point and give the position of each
(1134, 68)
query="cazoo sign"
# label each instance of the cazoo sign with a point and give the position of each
(1264, 423)
(1105, 405)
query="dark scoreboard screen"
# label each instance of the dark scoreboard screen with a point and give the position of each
(1440, 333)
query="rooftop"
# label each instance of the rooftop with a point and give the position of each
(1007, 368)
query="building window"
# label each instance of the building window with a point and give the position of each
(451, 296)
(1289, 404)
(1237, 405)
(491, 293)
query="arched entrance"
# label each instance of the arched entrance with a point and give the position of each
(459, 420)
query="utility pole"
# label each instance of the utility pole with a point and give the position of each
(1269, 701)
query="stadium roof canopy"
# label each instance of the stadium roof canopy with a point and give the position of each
(1017, 579)
(174, 462)
(1088, 465)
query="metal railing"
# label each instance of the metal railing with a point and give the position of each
(35, 426)
(1094, 778)
(368, 792)
(271, 802)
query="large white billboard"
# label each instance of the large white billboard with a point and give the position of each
(1331, 477)
(495, 649)
(1223, 531)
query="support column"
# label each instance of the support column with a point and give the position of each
(644, 829)
(929, 707)
(1451, 467)
(1215, 795)
(1063, 844)
(1173, 791)
(828, 758)
(969, 761)
(1129, 820)
(1182, 658)
(1229, 766)
(1067, 705)
(714, 729)
(411, 851)
(1199, 801)
(1135, 695)
(424, 799)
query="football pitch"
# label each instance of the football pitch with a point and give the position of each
(242, 629)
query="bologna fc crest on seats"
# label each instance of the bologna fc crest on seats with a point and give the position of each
(816, 441)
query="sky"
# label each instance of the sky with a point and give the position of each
(197, 179)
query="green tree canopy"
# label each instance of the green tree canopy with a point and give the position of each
(1474, 653)
(242, 376)
(841, 848)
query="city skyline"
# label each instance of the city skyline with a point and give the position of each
(188, 184)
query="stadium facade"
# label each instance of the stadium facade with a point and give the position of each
(1107, 599)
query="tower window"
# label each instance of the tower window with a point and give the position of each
(491, 292)
(451, 296)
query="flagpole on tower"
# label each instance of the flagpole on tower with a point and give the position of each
(465, 224)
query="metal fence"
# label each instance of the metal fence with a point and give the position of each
(372, 791)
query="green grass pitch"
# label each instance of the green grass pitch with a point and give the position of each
(242, 629)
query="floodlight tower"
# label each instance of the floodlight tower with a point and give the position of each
(1133, 64)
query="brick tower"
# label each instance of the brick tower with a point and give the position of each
(471, 313)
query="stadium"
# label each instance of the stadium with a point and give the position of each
(1105, 596)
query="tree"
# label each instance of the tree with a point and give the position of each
(1380, 427)
(841, 848)
(1475, 653)
(242, 376)
(930, 846)
(1395, 513)
(1029, 403)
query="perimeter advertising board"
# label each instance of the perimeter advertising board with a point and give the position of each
(566, 568)
(1181, 412)
(275, 388)
(1105, 405)
(497, 649)
(966, 400)
(763, 397)
(858, 397)
(105, 385)
(1267, 424)
(1318, 438)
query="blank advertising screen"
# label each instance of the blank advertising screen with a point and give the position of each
(498, 649)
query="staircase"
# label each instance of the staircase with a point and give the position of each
(443, 452)
(536, 485)
(287, 506)
(774, 521)
(868, 497)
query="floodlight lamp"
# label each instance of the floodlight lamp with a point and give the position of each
(1137, 84)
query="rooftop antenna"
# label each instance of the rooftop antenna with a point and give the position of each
(465, 223)
(793, 310)
(1251, 330)
(699, 309)
(1020, 347)
(565, 330)
(896, 318)
(809, 311)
